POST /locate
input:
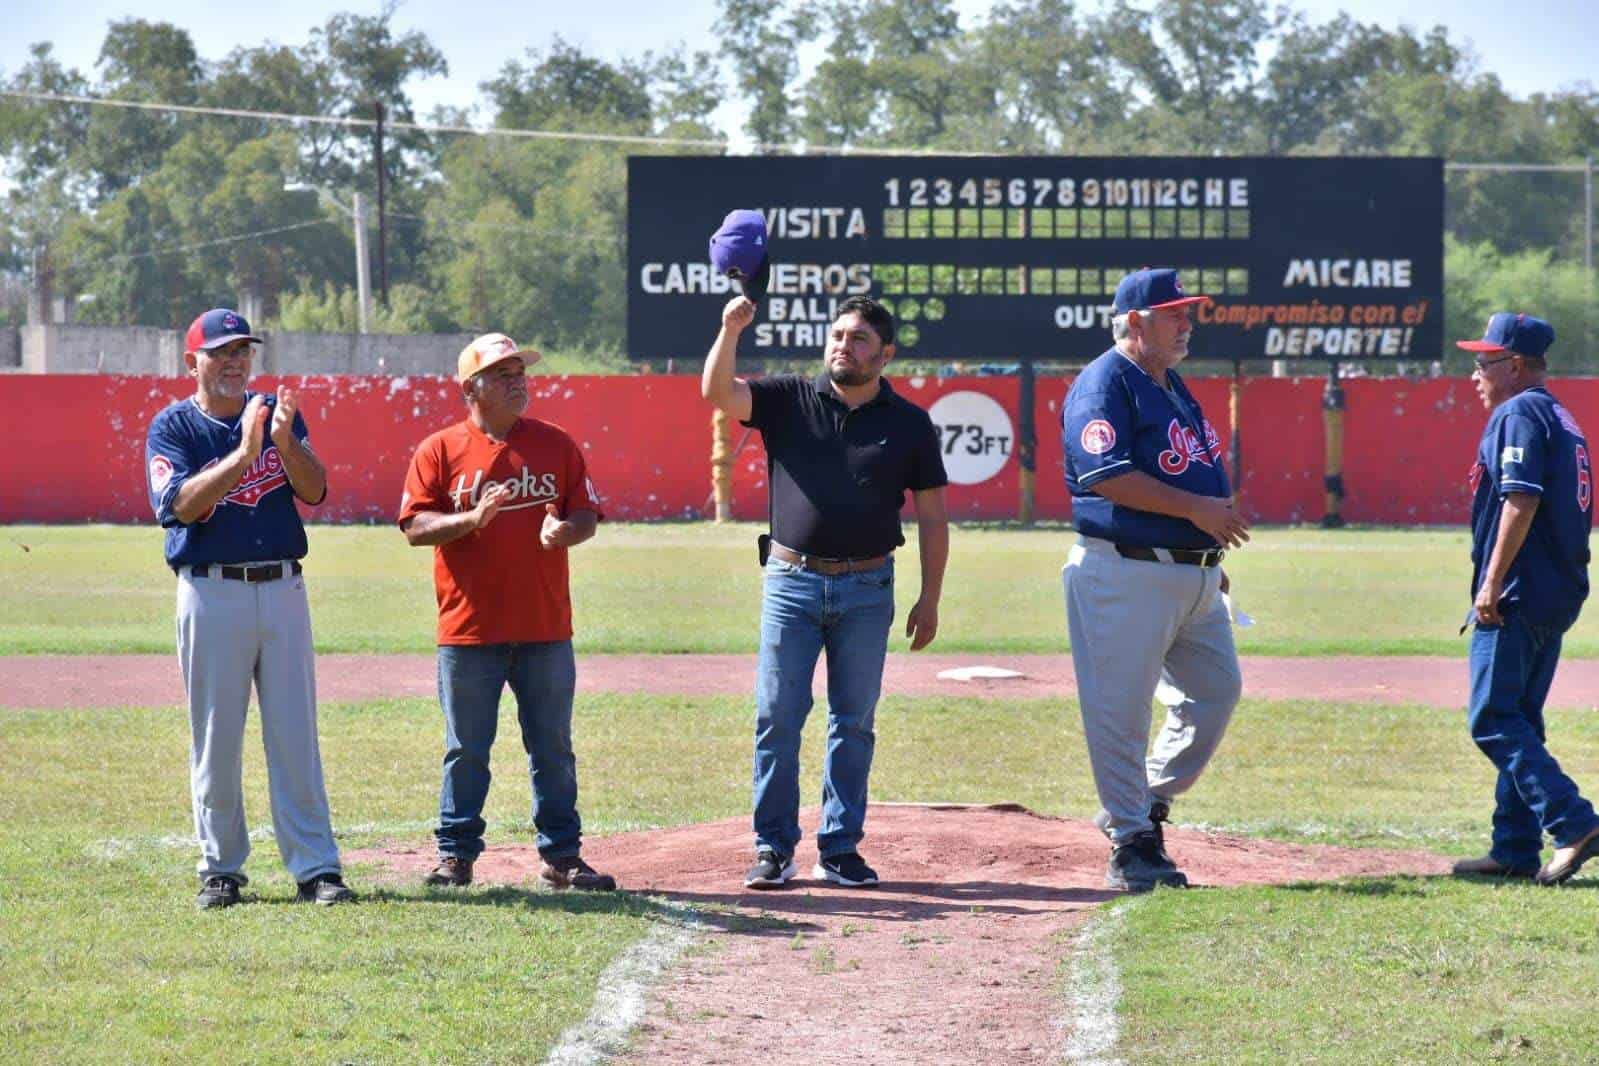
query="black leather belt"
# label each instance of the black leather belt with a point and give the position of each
(1189, 556)
(826, 566)
(254, 573)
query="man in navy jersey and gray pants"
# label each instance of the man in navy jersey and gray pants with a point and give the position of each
(224, 469)
(1531, 513)
(1153, 507)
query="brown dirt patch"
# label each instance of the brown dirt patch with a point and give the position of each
(953, 958)
(42, 681)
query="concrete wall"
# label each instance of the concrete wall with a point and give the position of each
(55, 349)
(355, 353)
(150, 352)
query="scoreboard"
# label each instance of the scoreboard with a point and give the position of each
(1004, 258)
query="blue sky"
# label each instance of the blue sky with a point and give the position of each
(1548, 46)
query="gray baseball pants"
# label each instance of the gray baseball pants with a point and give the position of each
(231, 635)
(1133, 624)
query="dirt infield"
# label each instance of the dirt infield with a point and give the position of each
(954, 958)
(45, 681)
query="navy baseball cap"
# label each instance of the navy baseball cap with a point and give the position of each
(1146, 290)
(1515, 333)
(218, 326)
(739, 250)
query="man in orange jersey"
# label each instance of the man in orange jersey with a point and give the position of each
(501, 498)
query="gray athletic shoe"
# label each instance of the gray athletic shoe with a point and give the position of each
(771, 870)
(1140, 864)
(217, 892)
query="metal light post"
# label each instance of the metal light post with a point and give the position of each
(363, 268)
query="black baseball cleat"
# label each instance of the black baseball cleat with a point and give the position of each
(1139, 865)
(771, 870)
(219, 891)
(324, 889)
(569, 871)
(848, 869)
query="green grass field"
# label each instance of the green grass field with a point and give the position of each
(695, 588)
(108, 961)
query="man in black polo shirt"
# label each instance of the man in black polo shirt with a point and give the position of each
(842, 450)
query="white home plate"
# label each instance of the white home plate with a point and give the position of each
(978, 673)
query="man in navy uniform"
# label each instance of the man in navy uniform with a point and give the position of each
(1144, 585)
(1531, 513)
(225, 467)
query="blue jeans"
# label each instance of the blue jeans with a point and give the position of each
(803, 612)
(542, 676)
(1512, 666)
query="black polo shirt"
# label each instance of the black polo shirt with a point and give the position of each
(839, 476)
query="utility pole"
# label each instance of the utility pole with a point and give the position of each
(383, 246)
(363, 267)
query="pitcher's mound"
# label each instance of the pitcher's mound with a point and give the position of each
(953, 957)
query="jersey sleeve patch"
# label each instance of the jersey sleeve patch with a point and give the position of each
(1098, 437)
(160, 473)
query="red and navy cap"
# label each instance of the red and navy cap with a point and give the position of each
(217, 327)
(1146, 290)
(1515, 333)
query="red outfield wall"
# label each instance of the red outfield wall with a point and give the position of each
(79, 443)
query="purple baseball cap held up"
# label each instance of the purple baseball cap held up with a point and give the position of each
(739, 251)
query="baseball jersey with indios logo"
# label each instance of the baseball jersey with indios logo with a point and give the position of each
(500, 585)
(1117, 419)
(255, 522)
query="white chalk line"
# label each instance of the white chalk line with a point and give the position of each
(1094, 992)
(622, 995)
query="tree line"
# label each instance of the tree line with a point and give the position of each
(122, 207)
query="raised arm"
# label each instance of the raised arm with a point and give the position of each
(717, 383)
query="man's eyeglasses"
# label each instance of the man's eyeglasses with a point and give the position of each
(1484, 364)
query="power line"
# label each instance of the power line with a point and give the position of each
(492, 131)
(151, 253)
(511, 227)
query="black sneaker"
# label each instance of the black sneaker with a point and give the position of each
(847, 869)
(325, 889)
(1140, 864)
(1159, 814)
(219, 891)
(569, 871)
(452, 872)
(771, 870)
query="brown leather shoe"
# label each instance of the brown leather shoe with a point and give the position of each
(1566, 861)
(1487, 866)
(451, 872)
(569, 871)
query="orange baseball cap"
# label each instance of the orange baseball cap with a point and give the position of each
(487, 350)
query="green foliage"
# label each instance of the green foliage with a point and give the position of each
(1479, 280)
(528, 234)
(336, 310)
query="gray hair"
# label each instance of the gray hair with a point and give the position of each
(1118, 324)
